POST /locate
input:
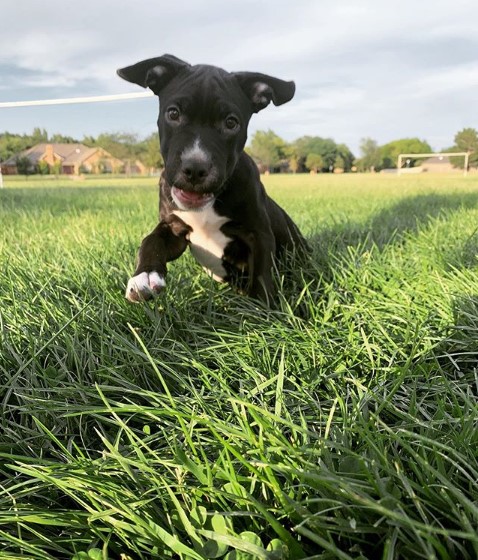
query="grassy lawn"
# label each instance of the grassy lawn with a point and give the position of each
(342, 424)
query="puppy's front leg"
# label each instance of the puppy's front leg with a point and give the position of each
(261, 283)
(261, 246)
(165, 243)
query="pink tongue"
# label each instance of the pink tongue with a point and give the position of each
(191, 196)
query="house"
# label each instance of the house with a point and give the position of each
(67, 159)
(438, 164)
(135, 167)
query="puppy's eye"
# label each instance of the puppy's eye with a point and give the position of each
(173, 114)
(231, 123)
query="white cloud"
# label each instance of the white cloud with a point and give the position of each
(447, 80)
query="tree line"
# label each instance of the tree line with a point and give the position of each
(316, 154)
(271, 153)
(375, 157)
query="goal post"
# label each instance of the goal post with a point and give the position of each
(437, 154)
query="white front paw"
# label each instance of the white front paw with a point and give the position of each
(144, 286)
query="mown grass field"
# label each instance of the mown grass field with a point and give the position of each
(342, 424)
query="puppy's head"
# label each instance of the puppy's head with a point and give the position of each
(203, 118)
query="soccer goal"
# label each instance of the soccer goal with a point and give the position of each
(402, 157)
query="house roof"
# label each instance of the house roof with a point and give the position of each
(77, 155)
(69, 154)
(437, 160)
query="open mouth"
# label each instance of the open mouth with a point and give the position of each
(191, 199)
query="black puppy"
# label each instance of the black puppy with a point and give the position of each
(211, 196)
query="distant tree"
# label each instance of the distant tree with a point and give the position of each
(39, 136)
(339, 163)
(12, 144)
(293, 164)
(293, 159)
(345, 158)
(392, 150)
(314, 162)
(465, 141)
(24, 166)
(89, 141)
(267, 148)
(56, 168)
(60, 139)
(325, 147)
(150, 155)
(371, 157)
(119, 144)
(42, 168)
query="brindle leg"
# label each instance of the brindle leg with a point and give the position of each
(261, 246)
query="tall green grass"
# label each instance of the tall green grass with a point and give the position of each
(340, 424)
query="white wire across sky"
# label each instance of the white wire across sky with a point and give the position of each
(72, 100)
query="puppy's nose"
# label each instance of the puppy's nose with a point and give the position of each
(195, 170)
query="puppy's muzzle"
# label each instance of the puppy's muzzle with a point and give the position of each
(195, 172)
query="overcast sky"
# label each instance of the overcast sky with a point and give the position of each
(364, 68)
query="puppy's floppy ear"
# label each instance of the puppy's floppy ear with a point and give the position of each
(262, 89)
(154, 73)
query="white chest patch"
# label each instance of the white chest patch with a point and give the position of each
(206, 239)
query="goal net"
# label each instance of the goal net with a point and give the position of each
(404, 157)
